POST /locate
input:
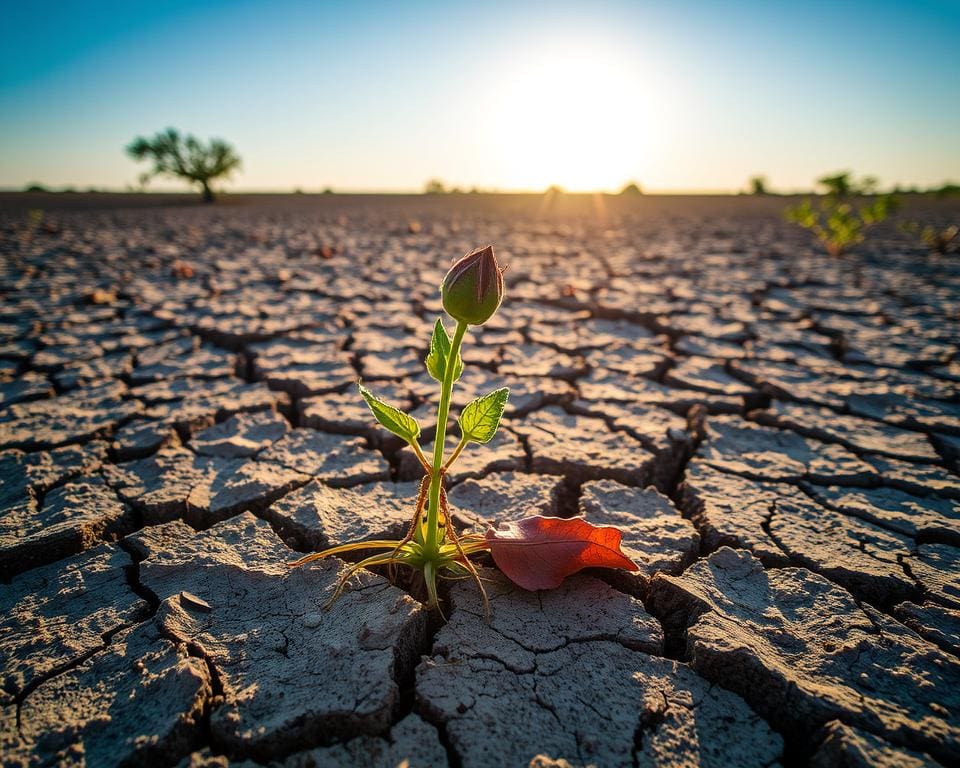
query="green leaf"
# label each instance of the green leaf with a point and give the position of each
(439, 352)
(401, 424)
(481, 418)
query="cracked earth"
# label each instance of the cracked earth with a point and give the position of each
(776, 433)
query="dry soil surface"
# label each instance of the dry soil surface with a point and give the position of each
(776, 432)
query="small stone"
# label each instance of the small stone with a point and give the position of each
(193, 603)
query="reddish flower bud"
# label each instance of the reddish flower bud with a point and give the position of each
(473, 288)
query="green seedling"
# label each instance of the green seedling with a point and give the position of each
(937, 240)
(838, 223)
(471, 291)
(534, 552)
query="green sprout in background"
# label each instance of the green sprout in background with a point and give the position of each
(836, 221)
(471, 291)
(936, 239)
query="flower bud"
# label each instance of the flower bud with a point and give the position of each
(473, 288)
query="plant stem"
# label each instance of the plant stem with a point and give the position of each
(423, 459)
(431, 541)
(456, 454)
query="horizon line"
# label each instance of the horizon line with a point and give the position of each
(660, 192)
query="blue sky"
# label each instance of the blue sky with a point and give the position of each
(686, 95)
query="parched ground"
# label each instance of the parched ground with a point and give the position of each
(777, 434)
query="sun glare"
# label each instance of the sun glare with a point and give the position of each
(576, 117)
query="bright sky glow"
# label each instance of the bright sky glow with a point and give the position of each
(575, 113)
(376, 96)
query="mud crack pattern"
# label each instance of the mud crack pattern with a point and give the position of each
(776, 433)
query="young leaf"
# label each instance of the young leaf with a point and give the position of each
(540, 552)
(439, 352)
(481, 418)
(398, 422)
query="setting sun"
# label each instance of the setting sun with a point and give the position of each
(580, 117)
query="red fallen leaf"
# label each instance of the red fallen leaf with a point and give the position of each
(539, 552)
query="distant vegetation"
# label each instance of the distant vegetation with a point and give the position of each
(186, 157)
(937, 239)
(838, 224)
(758, 185)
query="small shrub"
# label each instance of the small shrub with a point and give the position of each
(937, 240)
(837, 222)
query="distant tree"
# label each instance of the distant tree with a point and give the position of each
(947, 190)
(555, 189)
(842, 185)
(837, 185)
(631, 189)
(186, 157)
(434, 187)
(34, 187)
(758, 185)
